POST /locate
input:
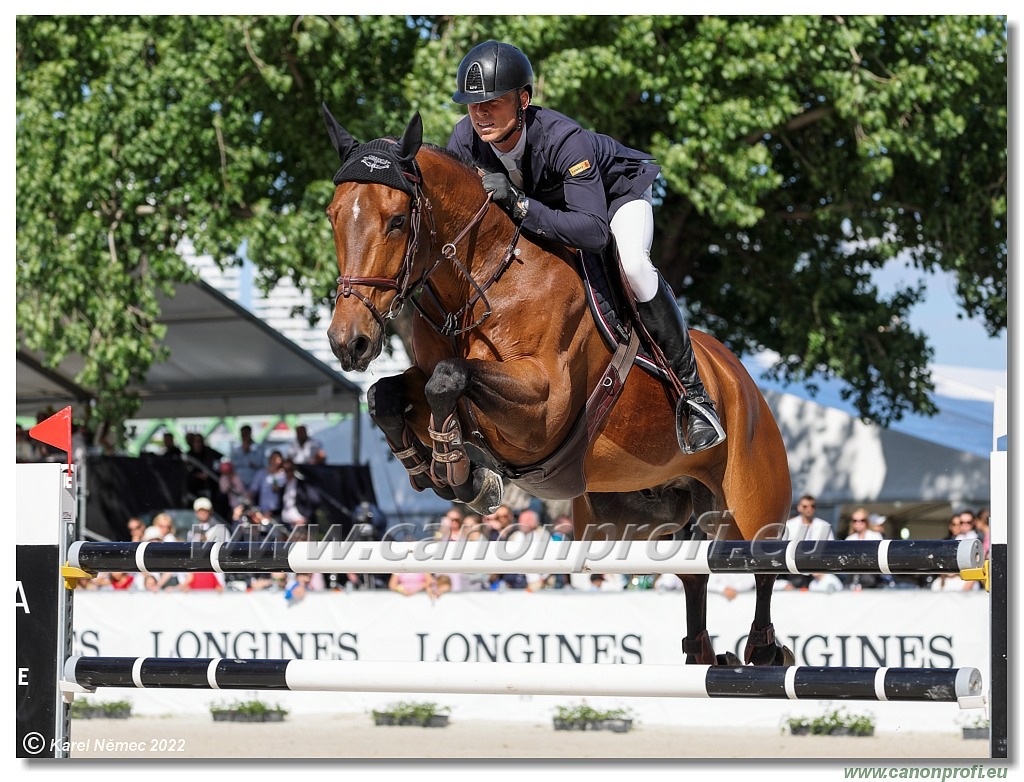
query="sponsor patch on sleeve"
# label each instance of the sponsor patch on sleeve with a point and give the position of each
(579, 168)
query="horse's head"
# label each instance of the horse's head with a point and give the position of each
(375, 215)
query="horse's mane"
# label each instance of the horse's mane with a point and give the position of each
(471, 166)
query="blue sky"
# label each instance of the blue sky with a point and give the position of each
(957, 342)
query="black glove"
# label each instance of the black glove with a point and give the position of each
(506, 195)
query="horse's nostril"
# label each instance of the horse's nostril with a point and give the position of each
(359, 346)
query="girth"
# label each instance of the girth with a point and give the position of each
(560, 476)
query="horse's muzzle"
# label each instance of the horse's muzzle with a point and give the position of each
(355, 350)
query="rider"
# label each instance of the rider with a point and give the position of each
(572, 185)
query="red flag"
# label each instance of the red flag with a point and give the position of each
(55, 431)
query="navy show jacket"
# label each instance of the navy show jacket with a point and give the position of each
(575, 178)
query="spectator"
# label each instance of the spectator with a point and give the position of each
(451, 524)
(729, 585)
(608, 582)
(305, 449)
(120, 581)
(410, 583)
(528, 535)
(498, 523)
(951, 582)
(299, 499)
(668, 582)
(205, 526)
(860, 527)
(805, 525)
(981, 527)
(266, 487)
(203, 479)
(473, 527)
(161, 530)
(953, 528)
(232, 486)
(26, 446)
(442, 584)
(967, 531)
(248, 457)
(825, 582)
(301, 585)
(201, 582)
(136, 529)
(171, 448)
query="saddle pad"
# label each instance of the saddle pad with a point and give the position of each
(608, 308)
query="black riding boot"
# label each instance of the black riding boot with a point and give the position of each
(664, 322)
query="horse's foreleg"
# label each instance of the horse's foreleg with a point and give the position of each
(476, 486)
(762, 648)
(389, 401)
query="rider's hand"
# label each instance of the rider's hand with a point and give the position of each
(506, 195)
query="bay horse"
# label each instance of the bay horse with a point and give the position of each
(508, 366)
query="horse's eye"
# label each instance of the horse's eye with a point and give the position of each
(396, 223)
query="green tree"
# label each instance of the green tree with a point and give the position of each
(799, 154)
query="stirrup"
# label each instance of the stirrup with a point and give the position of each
(704, 409)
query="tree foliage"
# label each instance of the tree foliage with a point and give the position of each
(799, 154)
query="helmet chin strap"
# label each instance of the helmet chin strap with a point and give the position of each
(519, 120)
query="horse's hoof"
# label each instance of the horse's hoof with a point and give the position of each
(776, 654)
(728, 658)
(491, 491)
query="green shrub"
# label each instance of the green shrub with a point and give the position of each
(584, 713)
(252, 707)
(833, 721)
(81, 707)
(414, 711)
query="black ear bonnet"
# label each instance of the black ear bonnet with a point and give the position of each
(377, 162)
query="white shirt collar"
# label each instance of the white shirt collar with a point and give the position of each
(515, 154)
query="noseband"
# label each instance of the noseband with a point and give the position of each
(405, 286)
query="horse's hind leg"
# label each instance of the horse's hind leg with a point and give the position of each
(762, 648)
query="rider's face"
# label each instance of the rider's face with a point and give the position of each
(492, 119)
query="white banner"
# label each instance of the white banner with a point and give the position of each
(873, 628)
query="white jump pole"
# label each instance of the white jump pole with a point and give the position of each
(649, 680)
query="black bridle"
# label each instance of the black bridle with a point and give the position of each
(405, 286)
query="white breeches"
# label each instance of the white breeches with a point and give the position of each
(633, 229)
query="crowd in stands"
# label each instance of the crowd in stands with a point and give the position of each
(254, 494)
(525, 528)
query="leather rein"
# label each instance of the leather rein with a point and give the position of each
(405, 286)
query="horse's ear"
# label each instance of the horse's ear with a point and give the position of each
(340, 138)
(409, 143)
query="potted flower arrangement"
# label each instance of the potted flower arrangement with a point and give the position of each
(584, 717)
(836, 722)
(424, 715)
(976, 728)
(83, 708)
(247, 711)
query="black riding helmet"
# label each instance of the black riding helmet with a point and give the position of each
(490, 70)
